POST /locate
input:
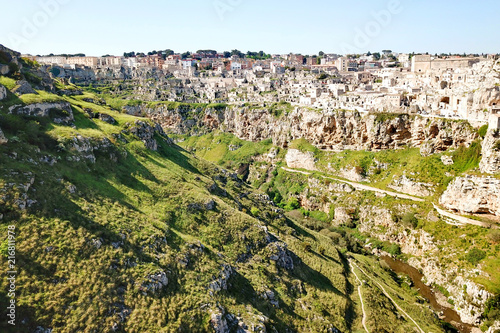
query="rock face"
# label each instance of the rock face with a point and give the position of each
(473, 194)
(146, 132)
(155, 282)
(23, 88)
(59, 112)
(490, 162)
(406, 185)
(3, 92)
(280, 254)
(331, 130)
(221, 282)
(299, 160)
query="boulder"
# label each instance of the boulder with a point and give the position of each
(3, 92)
(107, 118)
(300, 160)
(60, 112)
(23, 88)
(447, 160)
(4, 69)
(155, 282)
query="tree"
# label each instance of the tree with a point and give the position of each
(186, 55)
(237, 53)
(321, 53)
(227, 54)
(376, 56)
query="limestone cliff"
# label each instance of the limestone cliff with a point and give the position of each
(330, 130)
(490, 162)
(472, 194)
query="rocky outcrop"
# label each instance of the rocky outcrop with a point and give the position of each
(83, 149)
(300, 160)
(279, 253)
(155, 283)
(330, 130)
(146, 132)
(490, 162)
(218, 321)
(221, 282)
(406, 185)
(59, 112)
(3, 92)
(473, 195)
(23, 88)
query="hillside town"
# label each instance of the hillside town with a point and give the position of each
(458, 86)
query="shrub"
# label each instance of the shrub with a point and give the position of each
(393, 249)
(410, 220)
(254, 211)
(475, 256)
(483, 130)
(293, 203)
(494, 236)
(306, 246)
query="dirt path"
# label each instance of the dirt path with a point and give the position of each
(463, 219)
(363, 187)
(388, 296)
(360, 297)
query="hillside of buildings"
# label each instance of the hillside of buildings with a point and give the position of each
(229, 194)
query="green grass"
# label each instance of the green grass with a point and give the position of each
(8, 82)
(40, 97)
(303, 145)
(140, 200)
(214, 147)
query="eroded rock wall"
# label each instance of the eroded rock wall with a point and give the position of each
(331, 130)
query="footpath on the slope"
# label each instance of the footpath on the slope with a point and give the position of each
(388, 296)
(461, 219)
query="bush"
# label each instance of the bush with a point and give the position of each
(494, 236)
(475, 256)
(393, 249)
(293, 203)
(483, 130)
(306, 246)
(410, 220)
(255, 211)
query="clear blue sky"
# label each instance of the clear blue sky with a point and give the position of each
(98, 27)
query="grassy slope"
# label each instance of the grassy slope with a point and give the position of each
(139, 203)
(97, 231)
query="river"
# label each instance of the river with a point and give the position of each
(447, 314)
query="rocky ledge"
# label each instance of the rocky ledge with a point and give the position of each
(473, 195)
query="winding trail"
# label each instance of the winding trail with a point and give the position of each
(387, 295)
(461, 219)
(360, 297)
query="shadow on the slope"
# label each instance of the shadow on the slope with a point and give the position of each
(244, 293)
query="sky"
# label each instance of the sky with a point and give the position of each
(97, 27)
